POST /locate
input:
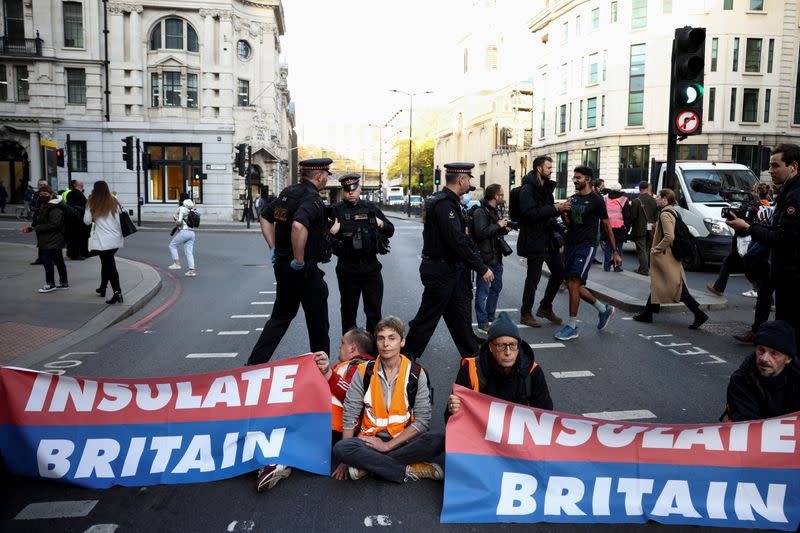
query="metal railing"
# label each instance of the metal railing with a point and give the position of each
(14, 46)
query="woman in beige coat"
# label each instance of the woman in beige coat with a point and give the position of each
(667, 278)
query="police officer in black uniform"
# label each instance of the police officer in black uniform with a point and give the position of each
(447, 255)
(360, 232)
(296, 229)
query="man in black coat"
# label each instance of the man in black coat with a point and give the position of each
(539, 241)
(767, 384)
(78, 243)
(644, 215)
(505, 368)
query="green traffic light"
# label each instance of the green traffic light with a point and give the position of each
(691, 94)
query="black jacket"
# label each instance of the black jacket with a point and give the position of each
(783, 235)
(643, 209)
(360, 217)
(750, 396)
(537, 217)
(444, 236)
(486, 231)
(509, 387)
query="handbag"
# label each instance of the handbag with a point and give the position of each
(651, 226)
(125, 223)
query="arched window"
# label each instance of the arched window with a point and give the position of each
(177, 35)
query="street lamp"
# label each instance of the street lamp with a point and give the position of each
(410, 138)
(380, 145)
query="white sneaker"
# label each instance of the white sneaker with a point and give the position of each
(190, 273)
(175, 266)
(750, 294)
(48, 288)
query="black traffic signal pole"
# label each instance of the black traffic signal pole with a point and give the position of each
(69, 162)
(248, 214)
(672, 139)
(138, 186)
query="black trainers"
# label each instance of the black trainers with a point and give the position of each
(62, 286)
(48, 288)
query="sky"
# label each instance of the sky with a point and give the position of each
(344, 56)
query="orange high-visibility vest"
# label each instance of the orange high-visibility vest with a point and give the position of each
(472, 367)
(614, 208)
(376, 416)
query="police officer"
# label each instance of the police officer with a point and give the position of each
(296, 229)
(360, 232)
(447, 254)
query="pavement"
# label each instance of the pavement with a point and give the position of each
(34, 326)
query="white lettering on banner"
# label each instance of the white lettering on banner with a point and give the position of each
(611, 436)
(706, 436)
(495, 423)
(522, 419)
(564, 495)
(582, 429)
(55, 456)
(113, 397)
(772, 433)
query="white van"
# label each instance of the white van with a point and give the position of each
(700, 206)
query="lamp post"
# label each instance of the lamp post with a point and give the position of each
(380, 146)
(410, 139)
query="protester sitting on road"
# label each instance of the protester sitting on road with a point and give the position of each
(393, 441)
(667, 278)
(102, 213)
(185, 236)
(767, 384)
(49, 224)
(504, 368)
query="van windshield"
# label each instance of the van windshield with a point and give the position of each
(731, 182)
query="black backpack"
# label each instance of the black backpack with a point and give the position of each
(683, 244)
(411, 388)
(73, 220)
(192, 218)
(513, 204)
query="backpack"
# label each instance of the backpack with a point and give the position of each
(192, 218)
(411, 388)
(683, 245)
(513, 204)
(469, 215)
(72, 220)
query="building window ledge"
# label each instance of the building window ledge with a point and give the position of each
(593, 128)
(756, 12)
(752, 73)
(749, 124)
(641, 127)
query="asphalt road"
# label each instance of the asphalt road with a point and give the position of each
(679, 377)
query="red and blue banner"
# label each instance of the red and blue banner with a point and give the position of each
(510, 463)
(103, 432)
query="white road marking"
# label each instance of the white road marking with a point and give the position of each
(377, 520)
(259, 329)
(64, 509)
(76, 353)
(261, 303)
(506, 310)
(627, 318)
(621, 415)
(102, 528)
(249, 316)
(545, 345)
(475, 325)
(240, 332)
(266, 292)
(211, 355)
(573, 374)
(243, 525)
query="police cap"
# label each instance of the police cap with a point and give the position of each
(321, 163)
(459, 168)
(350, 181)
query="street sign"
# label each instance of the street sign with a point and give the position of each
(213, 166)
(687, 122)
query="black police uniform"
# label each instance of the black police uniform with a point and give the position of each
(357, 244)
(447, 254)
(298, 203)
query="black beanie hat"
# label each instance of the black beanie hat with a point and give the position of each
(778, 335)
(503, 326)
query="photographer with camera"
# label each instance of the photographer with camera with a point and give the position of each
(488, 230)
(782, 236)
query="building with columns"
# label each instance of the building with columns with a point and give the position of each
(190, 81)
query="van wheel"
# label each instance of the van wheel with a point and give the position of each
(695, 262)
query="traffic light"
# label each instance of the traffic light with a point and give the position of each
(421, 180)
(241, 158)
(146, 162)
(127, 151)
(688, 66)
(437, 177)
(60, 157)
(512, 177)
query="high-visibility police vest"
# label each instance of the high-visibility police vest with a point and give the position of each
(65, 194)
(337, 408)
(376, 417)
(614, 207)
(475, 377)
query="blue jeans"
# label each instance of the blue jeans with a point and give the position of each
(608, 261)
(486, 294)
(184, 237)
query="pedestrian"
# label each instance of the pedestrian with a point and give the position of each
(783, 235)
(505, 368)
(296, 230)
(360, 232)
(36, 203)
(644, 214)
(619, 217)
(599, 186)
(448, 254)
(540, 240)
(767, 384)
(78, 240)
(667, 278)
(488, 231)
(586, 216)
(27, 198)
(102, 214)
(49, 226)
(183, 236)
(3, 198)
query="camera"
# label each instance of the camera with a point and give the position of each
(505, 248)
(512, 225)
(746, 210)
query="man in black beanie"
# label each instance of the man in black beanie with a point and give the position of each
(505, 369)
(768, 382)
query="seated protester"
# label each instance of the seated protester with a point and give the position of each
(504, 369)
(354, 349)
(768, 382)
(392, 398)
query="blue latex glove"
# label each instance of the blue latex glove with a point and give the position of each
(295, 266)
(272, 257)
